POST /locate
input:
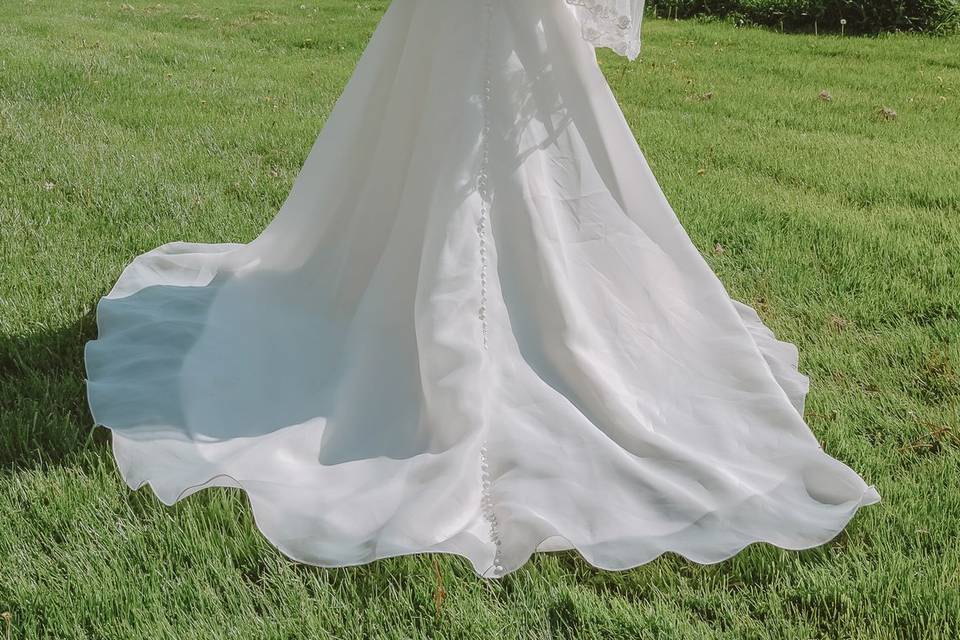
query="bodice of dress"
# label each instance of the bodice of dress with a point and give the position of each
(611, 23)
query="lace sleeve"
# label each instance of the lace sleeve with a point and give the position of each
(611, 23)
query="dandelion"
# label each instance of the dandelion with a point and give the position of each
(843, 24)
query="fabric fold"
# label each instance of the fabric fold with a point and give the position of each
(475, 327)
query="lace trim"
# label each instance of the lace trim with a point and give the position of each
(614, 24)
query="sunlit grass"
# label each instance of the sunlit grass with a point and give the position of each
(125, 126)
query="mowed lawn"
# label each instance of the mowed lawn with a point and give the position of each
(125, 126)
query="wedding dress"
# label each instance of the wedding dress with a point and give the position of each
(474, 327)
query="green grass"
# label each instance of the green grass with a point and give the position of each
(122, 128)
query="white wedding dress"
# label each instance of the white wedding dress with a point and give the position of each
(475, 327)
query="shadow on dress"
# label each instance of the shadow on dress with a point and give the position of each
(248, 355)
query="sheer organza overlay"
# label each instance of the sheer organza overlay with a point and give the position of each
(475, 327)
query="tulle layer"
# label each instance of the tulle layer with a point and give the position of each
(381, 383)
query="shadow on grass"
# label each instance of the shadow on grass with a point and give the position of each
(44, 418)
